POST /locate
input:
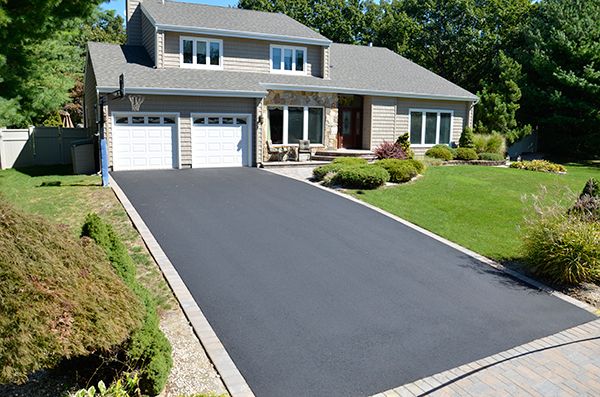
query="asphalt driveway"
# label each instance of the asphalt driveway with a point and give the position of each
(314, 295)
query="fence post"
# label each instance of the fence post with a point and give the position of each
(1, 149)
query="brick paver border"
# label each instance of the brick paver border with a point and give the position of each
(446, 380)
(232, 378)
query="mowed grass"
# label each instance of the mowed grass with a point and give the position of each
(478, 207)
(66, 200)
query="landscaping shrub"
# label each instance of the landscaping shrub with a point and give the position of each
(562, 247)
(491, 156)
(419, 165)
(489, 143)
(361, 177)
(400, 170)
(467, 154)
(127, 387)
(466, 138)
(319, 173)
(538, 165)
(441, 152)
(147, 350)
(59, 297)
(587, 205)
(404, 142)
(389, 150)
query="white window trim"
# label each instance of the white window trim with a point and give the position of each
(129, 115)
(281, 69)
(304, 124)
(437, 126)
(195, 65)
(248, 124)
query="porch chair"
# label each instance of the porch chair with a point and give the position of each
(304, 148)
(279, 151)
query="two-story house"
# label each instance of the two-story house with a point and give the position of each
(213, 87)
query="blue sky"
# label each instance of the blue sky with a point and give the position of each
(119, 5)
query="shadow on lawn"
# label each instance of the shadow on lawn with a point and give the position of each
(48, 170)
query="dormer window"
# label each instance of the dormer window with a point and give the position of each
(289, 60)
(197, 52)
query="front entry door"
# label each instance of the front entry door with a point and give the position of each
(350, 128)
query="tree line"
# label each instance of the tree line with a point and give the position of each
(534, 65)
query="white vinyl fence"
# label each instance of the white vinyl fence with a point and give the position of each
(38, 146)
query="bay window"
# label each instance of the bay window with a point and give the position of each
(288, 59)
(430, 127)
(287, 125)
(201, 53)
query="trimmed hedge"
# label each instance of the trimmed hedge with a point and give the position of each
(467, 154)
(337, 164)
(538, 165)
(361, 177)
(419, 165)
(491, 157)
(400, 170)
(441, 152)
(147, 350)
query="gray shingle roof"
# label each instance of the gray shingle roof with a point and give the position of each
(190, 15)
(354, 69)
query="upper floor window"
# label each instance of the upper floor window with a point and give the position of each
(430, 127)
(288, 59)
(198, 52)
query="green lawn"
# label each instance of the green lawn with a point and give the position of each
(66, 199)
(478, 207)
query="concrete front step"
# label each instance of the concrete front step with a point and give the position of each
(330, 155)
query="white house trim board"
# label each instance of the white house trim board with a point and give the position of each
(187, 92)
(281, 69)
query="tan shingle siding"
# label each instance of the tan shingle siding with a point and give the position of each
(383, 119)
(240, 55)
(149, 37)
(185, 105)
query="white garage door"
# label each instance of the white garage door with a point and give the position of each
(220, 141)
(144, 142)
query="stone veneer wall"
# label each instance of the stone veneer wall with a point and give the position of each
(297, 98)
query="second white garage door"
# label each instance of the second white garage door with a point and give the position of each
(220, 141)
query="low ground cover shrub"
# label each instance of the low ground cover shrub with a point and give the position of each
(441, 152)
(337, 164)
(368, 176)
(560, 245)
(538, 165)
(466, 154)
(489, 143)
(400, 170)
(419, 165)
(59, 297)
(147, 351)
(491, 156)
(126, 387)
(390, 150)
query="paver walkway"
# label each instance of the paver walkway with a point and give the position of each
(563, 364)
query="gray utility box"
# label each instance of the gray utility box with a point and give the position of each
(82, 153)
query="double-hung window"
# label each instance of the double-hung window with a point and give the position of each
(288, 59)
(430, 127)
(202, 53)
(290, 124)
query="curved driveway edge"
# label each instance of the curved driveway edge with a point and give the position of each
(232, 378)
(519, 276)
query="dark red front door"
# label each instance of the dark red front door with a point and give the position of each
(350, 128)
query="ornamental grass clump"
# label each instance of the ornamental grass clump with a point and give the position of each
(540, 166)
(560, 245)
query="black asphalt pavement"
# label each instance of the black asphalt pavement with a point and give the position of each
(315, 295)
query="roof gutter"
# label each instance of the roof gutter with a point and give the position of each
(187, 92)
(355, 91)
(234, 33)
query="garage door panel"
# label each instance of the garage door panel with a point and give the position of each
(144, 146)
(224, 145)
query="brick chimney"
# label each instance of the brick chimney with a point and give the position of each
(133, 14)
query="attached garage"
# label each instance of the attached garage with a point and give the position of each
(221, 140)
(145, 141)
